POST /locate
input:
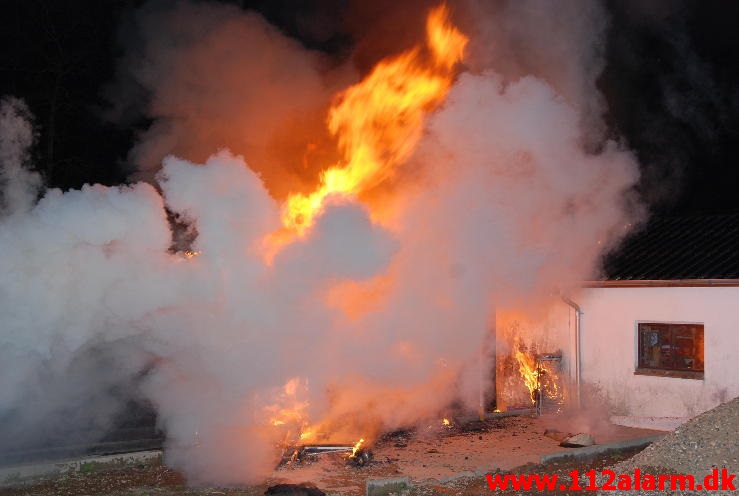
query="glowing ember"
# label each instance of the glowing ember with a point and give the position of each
(379, 121)
(191, 254)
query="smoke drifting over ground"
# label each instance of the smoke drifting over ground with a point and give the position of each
(380, 321)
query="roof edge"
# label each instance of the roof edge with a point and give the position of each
(661, 283)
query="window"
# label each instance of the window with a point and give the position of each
(670, 350)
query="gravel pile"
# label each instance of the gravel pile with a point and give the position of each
(697, 447)
(710, 440)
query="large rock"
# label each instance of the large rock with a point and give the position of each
(578, 441)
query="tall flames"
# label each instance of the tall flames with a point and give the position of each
(377, 124)
(379, 121)
(528, 370)
(540, 377)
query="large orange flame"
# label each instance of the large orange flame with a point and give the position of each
(537, 375)
(528, 371)
(290, 412)
(379, 121)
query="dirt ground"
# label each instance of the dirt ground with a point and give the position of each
(162, 481)
(438, 459)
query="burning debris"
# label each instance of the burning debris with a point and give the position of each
(540, 376)
(191, 254)
(526, 377)
(356, 455)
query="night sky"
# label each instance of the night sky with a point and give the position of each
(670, 80)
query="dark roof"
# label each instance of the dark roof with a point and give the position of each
(672, 248)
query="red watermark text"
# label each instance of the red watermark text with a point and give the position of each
(716, 480)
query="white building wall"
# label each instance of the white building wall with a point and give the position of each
(609, 348)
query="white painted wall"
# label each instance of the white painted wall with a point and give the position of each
(609, 347)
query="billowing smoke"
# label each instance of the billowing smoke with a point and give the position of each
(91, 269)
(371, 325)
(212, 76)
(534, 37)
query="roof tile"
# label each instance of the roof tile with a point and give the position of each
(672, 248)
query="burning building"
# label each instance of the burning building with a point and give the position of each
(658, 330)
(650, 338)
(320, 304)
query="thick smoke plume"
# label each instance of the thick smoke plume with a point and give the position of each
(371, 325)
(212, 76)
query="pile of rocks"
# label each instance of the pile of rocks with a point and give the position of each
(708, 441)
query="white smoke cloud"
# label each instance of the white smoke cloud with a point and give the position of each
(513, 209)
(562, 43)
(382, 323)
(90, 269)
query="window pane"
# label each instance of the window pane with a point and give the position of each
(676, 347)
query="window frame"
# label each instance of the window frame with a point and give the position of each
(665, 371)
